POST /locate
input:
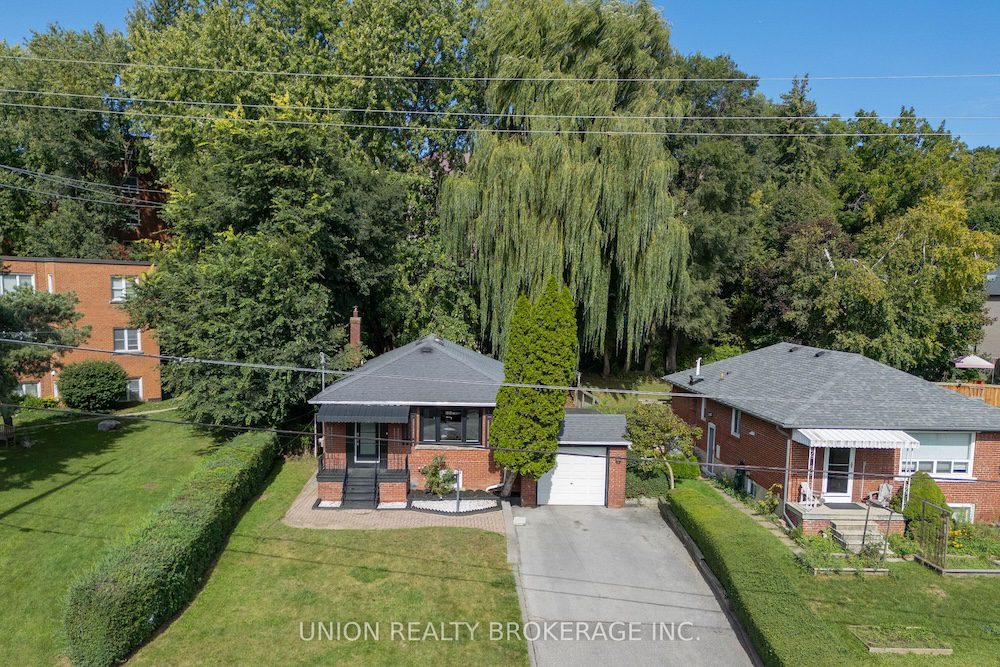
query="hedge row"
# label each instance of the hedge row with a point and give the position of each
(756, 570)
(139, 585)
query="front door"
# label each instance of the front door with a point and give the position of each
(366, 444)
(710, 448)
(838, 479)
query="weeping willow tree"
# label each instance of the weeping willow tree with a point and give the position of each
(554, 188)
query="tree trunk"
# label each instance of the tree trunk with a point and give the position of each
(671, 353)
(628, 363)
(647, 364)
(508, 483)
(606, 371)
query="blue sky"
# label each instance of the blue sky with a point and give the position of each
(773, 38)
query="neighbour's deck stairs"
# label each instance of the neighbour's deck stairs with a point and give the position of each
(850, 534)
(359, 489)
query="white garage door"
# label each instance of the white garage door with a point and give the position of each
(576, 479)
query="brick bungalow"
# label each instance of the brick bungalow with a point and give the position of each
(101, 286)
(430, 398)
(835, 426)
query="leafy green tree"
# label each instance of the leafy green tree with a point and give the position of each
(657, 433)
(50, 318)
(39, 216)
(558, 196)
(92, 385)
(541, 349)
(251, 297)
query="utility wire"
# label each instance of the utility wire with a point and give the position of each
(307, 369)
(532, 79)
(84, 185)
(477, 114)
(476, 130)
(291, 432)
(84, 199)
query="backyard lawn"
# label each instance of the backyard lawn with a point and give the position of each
(62, 502)
(960, 612)
(273, 577)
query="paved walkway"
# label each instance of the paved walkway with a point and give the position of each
(594, 567)
(302, 515)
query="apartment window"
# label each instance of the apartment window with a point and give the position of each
(121, 287)
(127, 340)
(942, 454)
(735, 426)
(963, 512)
(11, 281)
(30, 389)
(133, 390)
(450, 425)
(703, 402)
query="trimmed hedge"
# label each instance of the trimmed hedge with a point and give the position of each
(139, 585)
(93, 385)
(756, 570)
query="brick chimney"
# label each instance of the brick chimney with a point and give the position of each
(355, 338)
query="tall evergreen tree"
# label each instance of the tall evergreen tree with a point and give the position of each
(541, 349)
(564, 195)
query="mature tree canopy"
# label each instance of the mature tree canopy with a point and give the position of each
(560, 197)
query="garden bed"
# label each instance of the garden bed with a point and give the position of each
(900, 639)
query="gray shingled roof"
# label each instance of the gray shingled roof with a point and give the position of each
(592, 428)
(797, 386)
(428, 371)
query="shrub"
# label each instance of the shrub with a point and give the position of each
(28, 402)
(92, 385)
(139, 585)
(902, 545)
(922, 487)
(753, 567)
(657, 433)
(440, 480)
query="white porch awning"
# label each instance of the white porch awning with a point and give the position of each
(854, 438)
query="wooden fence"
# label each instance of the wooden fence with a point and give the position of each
(990, 393)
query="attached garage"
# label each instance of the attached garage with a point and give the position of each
(590, 463)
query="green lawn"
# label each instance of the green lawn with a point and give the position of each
(624, 403)
(61, 503)
(961, 612)
(272, 577)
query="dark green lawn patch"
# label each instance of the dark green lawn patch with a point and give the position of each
(757, 572)
(655, 486)
(272, 577)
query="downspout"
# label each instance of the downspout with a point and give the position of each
(788, 465)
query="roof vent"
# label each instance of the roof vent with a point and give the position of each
(820, 353)
(722, 375)
(426, 349)
(695, 380)
(794, 348)
(439, 340)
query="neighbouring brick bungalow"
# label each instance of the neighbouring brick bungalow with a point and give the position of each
(101, 286)
(430, 398)
(835, 426)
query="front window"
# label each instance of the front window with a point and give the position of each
(450, 425)
(127, 340)
(30, 389)
(737, 418)
(703, 401)
(941, 454)
(963, 513)
(11, 281)
(121, 287)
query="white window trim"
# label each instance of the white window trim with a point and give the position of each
(125, 288)
(735, 422)
(703, 402)
(36, 383)
(138, 340)
(971, 507)
(141, 392)
(945, 476)
(18, 273)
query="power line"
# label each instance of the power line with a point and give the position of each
(83, 185)
(83, 199)
(475, 130)
(478, 114)
(320, 371)
(483, 78)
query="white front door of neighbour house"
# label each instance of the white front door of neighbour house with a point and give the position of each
(838, 475)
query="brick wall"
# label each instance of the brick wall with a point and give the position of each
(392, 492)
(616, 476)
(529, 492)
(91, 281)
(479, 470)
(331, 491)
(335, 445)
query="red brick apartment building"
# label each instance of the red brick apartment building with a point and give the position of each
(101, 286)
(830, 428)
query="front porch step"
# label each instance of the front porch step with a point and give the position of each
(348, 504)
(851, 535)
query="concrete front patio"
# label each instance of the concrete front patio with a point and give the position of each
(302, 514)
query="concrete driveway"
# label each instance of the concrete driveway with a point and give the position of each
(626, 586)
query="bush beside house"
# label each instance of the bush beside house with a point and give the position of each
(140, 585)
(658, 437)
(93, 385)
